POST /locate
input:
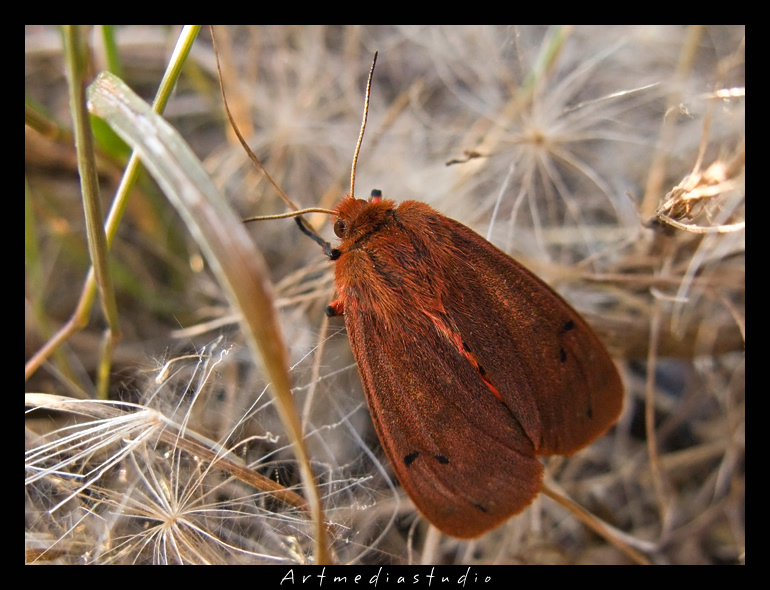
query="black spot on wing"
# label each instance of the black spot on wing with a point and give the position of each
(410, 458)
(568, 326)
(441, 459)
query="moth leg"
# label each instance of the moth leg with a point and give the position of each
(335, 308)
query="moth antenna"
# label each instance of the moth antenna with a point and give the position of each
(292, 214)
(238, 133)
(363, 128)
(332, 253)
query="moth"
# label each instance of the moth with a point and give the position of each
(472, 366)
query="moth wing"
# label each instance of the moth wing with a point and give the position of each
(430, 410)
(552, 371)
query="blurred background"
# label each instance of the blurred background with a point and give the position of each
(610, 160)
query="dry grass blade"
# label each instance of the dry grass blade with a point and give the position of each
(111, 461)
(219, 232)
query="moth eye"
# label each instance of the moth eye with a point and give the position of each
(340, 228)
